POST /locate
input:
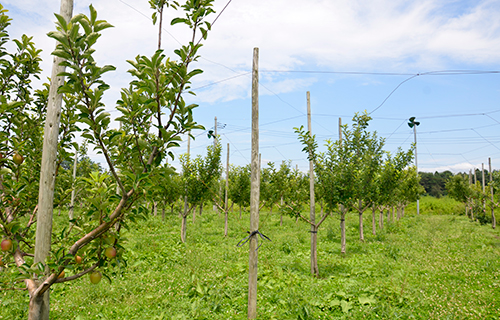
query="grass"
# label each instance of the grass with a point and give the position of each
(422, 267)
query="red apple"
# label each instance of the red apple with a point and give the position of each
(95, 277)
(18, 159)
(78, 259)
(110, 252)
(6, 244)
(61, 275)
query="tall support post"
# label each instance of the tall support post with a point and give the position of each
(413, 124)
(342, 208)
(48, 166)
(226, 207)
(214, 207)
(72, 203)
(484, 187)
(493, 218)
(312, 204)
(254, 192)
(416, 163)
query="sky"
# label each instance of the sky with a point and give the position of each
(436, 60)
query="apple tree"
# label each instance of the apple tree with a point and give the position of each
(154, 115)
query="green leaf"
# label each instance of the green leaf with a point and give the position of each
(346, 306)
(62, 21)
(102, 25)
(366, 300)
(178, 20)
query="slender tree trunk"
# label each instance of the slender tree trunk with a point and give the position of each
(381, 219)
(194, 214)
(360, 211)
(392, 214)
(183, 228)
(184, 218)
(240, 212)
(361, 233)
(271, 209)
(39, 306)
(172, 208)
(155, 208)
(225, 223)
(342, 230)
(163, 213)
(374, 210)
(314, 251)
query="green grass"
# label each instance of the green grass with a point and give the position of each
(425, 267)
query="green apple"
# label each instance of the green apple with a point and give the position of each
(110, 252)
(18, 159)
(95, 277)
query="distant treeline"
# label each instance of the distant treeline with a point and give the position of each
(434, 183)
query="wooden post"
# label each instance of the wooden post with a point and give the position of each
(214, 206)
(482, 174)
(72, 203)
(312, 204)
(226, 207)
(48, 169)
(254, 192)
(493, 218)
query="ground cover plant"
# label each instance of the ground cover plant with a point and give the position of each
(421, 267)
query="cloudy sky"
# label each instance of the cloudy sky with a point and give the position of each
(437, 60)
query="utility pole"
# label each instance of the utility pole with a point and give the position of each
(413, 124)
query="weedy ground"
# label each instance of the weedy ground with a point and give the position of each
(422, 267)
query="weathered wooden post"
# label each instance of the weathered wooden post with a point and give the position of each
(226, 207)
(493, 219)
(312, 204)
(39, 309)
(254, 192)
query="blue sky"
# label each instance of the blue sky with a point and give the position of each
(342, 52)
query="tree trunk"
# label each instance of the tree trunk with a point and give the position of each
(225, 223)
(392, 214)
(374, 231)
(314, 251)
(194, 214)
(361, 234)
(172, 208)
(271, 209)
(201, 208)
(39, 306)
(240, 212)
(155, 208)
(163, 213)
(381, 219)
(183, 228)
(342, 230)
